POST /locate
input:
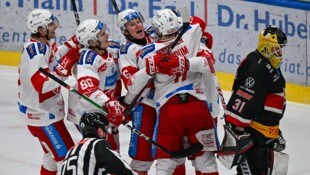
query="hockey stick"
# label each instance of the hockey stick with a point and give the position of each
(220, 92)
(104, 111)
(75, 11)
(115, 6)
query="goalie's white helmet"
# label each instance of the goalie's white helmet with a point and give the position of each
(40, 18)
(165, 22)
(89, 29)
(127, 15)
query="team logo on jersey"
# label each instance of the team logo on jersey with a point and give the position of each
(249, 82)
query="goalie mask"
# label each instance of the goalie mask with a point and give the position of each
(89, 29)
(90, 122)
(165, 22)
(127, 15)
(271, 41)
(40, 18)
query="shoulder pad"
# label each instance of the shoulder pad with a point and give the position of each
(147, 49)
(33, 51)
(88, 57)
(124, 48)
(114, 44)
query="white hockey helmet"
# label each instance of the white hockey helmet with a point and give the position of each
(89, 29)
(127, 15)
(165, 22)
(40, 18)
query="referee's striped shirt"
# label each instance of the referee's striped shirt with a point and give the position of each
(92, 156)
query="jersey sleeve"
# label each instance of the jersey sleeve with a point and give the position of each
(248, 96)
(38, 54)
(128, 62)
(88, 78)
(111, 160)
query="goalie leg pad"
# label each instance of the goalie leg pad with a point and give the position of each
(280, 163)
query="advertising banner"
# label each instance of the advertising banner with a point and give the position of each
(234, 25)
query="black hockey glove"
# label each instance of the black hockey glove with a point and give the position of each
(278, 144)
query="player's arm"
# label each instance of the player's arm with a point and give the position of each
(88, 78)
(37, 52)
(127, 63)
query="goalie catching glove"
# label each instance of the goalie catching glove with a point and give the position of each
(234, 147)
(115, 112)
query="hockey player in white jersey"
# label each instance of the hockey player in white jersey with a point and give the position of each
(97, 74)
(39, 97)
(180, 96)
(143, 116)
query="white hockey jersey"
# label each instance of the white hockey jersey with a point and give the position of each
(39, 97)
(194, 82)
(128, 65)
(97, 76)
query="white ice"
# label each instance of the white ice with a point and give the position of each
(20, 153)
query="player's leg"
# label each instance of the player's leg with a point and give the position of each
(202, 130)
(143, 119)
(56, 141)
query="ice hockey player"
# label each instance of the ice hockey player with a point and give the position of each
(257, 105)
(93, 155)
(179, 95)
(97, 74)
(40, 99)
(143, 117)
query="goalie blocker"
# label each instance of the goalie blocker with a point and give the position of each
(233, 152)
(233, 148)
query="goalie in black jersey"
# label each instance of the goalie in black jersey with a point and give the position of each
(254, 111)
(92, 155)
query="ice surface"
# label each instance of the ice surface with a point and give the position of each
(20, 153)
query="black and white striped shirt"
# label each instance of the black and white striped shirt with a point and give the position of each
(92, 156)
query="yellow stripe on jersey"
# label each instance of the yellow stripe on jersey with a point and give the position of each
(267, 131)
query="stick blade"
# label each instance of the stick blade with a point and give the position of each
(184, 14)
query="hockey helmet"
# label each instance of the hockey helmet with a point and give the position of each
(165, 22)
(40, 18)
(90, 122)
(127, 15)
(89, 29)
(271, 41)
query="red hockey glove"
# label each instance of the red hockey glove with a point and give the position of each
(207, 38)
(173, 65)
(72, 42)
(152, 63)
(66, 63)
(115, 112)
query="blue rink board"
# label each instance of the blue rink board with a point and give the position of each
(296, 4)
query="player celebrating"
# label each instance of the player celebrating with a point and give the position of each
(92, 155)
(144, 116)
(257, 104)
(180, 92)
(97, 73)
(40, 99)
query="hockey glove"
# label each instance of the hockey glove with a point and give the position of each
(207, 39)
(72, 42)
(277, 144)
(151, 63)
(66, 63)
(115, 112)
(173, 65)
